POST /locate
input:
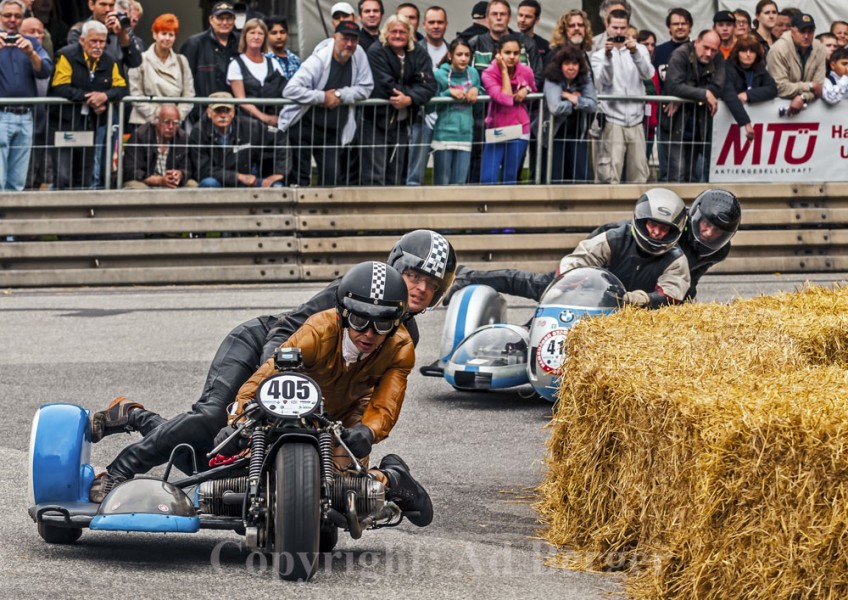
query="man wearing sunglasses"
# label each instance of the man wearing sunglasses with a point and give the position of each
(156, 153)
(426, 262)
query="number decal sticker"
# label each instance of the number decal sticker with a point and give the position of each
(551, 351)
(289, 395)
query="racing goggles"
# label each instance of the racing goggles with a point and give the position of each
(381, 326)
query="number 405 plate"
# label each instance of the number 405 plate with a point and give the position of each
(289, 395)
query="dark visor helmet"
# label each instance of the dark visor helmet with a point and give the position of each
(374, 292)
(718, 208)
(428, 252)
(663, 206)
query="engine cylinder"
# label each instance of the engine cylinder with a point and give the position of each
(370, 494)
(210, 496)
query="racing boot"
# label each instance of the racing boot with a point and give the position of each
(403, 490)
(115, 419)
(102, 485)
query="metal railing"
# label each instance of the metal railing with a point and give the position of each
(108, 145)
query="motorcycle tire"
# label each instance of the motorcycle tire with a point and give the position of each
(58, 535)
(297, 511)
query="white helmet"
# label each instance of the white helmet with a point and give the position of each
(663, 206)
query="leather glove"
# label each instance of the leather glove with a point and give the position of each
(234, 446)
(460, 281)
(636, 297)
(359, 439)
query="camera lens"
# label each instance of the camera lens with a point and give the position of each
(123, 19)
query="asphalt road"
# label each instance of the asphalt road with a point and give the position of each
(480, 455)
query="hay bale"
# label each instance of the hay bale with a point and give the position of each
(713, 438)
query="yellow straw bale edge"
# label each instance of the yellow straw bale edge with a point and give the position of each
(707, 446)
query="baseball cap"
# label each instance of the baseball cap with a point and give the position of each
(479, 10)
(342, 7)
(215, 105)
(221, 8)
(347, 28)
(803, 21)
(724, 16)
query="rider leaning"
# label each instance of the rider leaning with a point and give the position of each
(360, 356)
(427, 263)
(714, 219)
(643, 254)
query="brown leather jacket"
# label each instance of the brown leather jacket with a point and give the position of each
(369, 391)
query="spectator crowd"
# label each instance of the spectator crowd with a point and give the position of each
(591, 120)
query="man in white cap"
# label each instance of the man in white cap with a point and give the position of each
(342, 11)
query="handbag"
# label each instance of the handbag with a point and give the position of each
(495, 135)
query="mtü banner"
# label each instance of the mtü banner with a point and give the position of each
(810, 146)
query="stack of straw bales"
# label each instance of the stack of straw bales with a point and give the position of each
(706, 445)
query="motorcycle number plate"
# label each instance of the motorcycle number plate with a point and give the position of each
(289, 395)
(551, 351)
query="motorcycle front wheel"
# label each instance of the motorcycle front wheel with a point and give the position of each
(297, 516)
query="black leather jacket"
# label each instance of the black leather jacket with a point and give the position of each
(414, 77)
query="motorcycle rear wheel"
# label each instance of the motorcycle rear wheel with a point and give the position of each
(297, 516)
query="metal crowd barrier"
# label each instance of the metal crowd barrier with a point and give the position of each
(68, 155)
(73, 238)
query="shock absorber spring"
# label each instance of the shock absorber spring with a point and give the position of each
(257, 454)
(325, 447)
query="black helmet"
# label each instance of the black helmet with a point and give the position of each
(373, 291)
(660, 205)
(428, 252)
(720, 209)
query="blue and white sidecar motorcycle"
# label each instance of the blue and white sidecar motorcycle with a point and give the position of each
(285, 496)
(480, 351)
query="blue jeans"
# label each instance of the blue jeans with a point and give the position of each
(503, 157)
(15, 147)
(209, 182)
(99, 157)
(420, 137)
(450, 167)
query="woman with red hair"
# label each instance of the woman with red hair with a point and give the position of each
(163, 72)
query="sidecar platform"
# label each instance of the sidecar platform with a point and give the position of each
(68, 514)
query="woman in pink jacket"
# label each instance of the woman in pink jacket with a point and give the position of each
(507, 82)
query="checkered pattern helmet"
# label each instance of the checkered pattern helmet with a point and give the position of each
(428, 252)
(662, 206)
(374, 291)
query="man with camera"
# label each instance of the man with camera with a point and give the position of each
(123, 48)
(121, 45)
(22, 61)
(619, 68)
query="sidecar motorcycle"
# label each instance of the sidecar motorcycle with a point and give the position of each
(479, 351)
(285, 495)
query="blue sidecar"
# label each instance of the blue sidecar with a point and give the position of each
(481, 352)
